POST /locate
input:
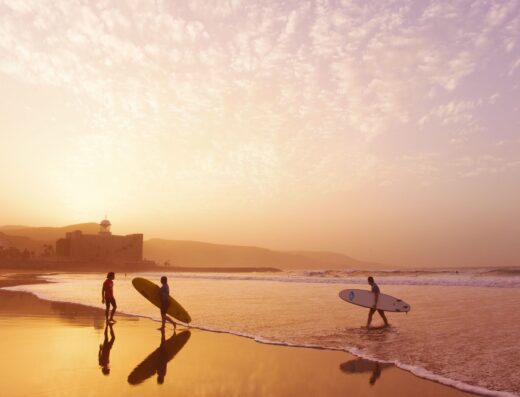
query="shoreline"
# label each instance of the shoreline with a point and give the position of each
(83, 310)
(63, 267)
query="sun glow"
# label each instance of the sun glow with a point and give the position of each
(329, 120)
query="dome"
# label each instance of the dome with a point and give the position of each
(105, 223)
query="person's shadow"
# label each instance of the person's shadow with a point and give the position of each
(157, 361)
(104, 349)
(361, 365)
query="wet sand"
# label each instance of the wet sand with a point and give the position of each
(61, 349)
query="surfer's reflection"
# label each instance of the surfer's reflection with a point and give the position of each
(157, 361)
(104, 349)
(361, 365)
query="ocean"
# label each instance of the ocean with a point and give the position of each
(462, 330)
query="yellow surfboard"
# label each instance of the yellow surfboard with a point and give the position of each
(151, 292)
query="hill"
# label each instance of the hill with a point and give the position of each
(49, 234)
(333, 260)
(192, 253)
(12, 227)
(200, 254)
(21, 243)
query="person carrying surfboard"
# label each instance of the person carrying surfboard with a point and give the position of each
(376, 291)
(107, 296)
(164, 292)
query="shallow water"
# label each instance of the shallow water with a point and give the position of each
(462, 329)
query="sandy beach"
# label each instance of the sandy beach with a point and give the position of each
(60, 349)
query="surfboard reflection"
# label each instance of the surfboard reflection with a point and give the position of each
(157, 361)
(362, 365)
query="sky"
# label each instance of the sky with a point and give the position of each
(385, 130)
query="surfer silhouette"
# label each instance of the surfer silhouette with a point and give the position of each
(376, 373)
(104, 349)
(107, 296)
(361, 365)
(376, 291)
(164, 291)
(162, 359)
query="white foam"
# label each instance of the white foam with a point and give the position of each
(416, 370)
(457, 278)
(445, 280)
(423, 373)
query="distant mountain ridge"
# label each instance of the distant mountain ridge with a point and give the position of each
(12, 227)
(49, 234)
(335, 259)
(194, 253)
(20, 242)
(198, 254)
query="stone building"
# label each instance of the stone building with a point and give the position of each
(101, 247)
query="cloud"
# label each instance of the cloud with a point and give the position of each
(514, 66)
(316, 82)
(470, 167)
(439, 10)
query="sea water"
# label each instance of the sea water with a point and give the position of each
(462, 330)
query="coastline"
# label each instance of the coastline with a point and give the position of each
(78, 267)
(217, 363)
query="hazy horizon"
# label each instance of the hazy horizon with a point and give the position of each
(385, 131)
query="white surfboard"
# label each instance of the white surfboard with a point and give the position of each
(361, 297)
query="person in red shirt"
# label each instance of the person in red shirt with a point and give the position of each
(107, 296)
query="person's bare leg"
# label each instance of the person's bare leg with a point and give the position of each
(114, 307)
(163, 321)
(370, 314)
(171, 321)
(382, 314)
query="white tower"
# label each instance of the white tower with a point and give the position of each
(104, 227)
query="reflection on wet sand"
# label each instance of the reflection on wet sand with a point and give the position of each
(17, 303)
(361, 365)
(43, 355)
(104, 349)
(158, 360)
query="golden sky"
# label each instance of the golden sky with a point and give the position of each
(388, 131)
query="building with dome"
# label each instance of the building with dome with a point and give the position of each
(102, 247)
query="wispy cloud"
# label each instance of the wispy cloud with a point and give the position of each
(274, 86)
